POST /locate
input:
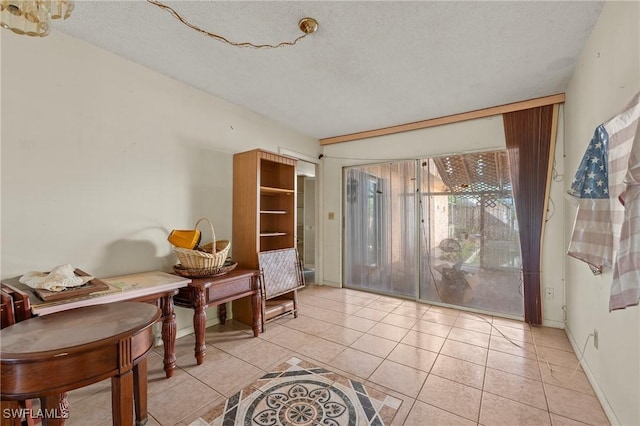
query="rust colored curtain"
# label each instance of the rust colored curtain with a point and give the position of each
(528, 138)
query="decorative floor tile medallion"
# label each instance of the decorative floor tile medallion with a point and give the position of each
(298, 393)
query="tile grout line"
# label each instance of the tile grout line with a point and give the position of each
(544, 388)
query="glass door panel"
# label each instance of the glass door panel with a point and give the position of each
(471, 249)
(380, 228)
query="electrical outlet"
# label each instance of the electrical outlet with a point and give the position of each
(595, 338)
(548, 293)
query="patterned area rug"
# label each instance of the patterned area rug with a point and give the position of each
(298, 393)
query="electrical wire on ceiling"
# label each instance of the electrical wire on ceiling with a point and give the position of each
(306, 25)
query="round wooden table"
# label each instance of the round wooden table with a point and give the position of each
(45, 357)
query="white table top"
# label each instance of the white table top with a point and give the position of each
(123, 287)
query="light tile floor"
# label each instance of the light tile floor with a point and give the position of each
(449, 367)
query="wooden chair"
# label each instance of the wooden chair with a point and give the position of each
(21, 303)
(281, 277)
(15, 307)
(7, 315)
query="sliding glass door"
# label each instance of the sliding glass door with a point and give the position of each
(440, 229)
(380, 228)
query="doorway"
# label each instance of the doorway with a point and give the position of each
(306, 218)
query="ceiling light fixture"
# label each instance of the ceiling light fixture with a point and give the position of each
(32, 17)
(306, 25)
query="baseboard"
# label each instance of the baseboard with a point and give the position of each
(183, 331)
(331, 284)
(553, 323)
(608, 410)
(188, 330)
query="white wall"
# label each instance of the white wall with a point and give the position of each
(101, 158)
(553, 248)
(476, 135)
(605, 79)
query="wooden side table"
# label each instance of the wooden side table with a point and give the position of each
(154, 287)
(47, 356)
(202, 293)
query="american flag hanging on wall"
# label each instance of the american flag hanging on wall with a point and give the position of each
(607, 187)
(592, 241)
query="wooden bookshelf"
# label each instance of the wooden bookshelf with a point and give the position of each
(264, 210)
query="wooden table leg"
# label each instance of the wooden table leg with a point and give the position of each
(122, 398)
(222, 313)
(55, 409)
(169, 328)
(199, 324)
(256, 313)
(140, 391)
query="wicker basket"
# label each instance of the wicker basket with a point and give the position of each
(209, 258)
(204, 273)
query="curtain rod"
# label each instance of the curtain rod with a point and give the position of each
(449, 119)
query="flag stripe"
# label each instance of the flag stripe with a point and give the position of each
(624, 298)
(625, 288)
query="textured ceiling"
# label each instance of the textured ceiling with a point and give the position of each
(371, 64)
